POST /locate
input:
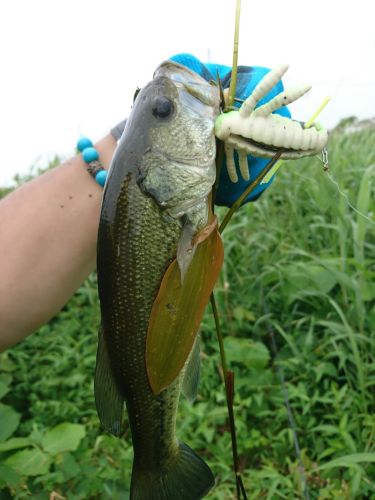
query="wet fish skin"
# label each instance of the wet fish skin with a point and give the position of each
(156, 192)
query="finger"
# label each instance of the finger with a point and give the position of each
(282, 99)
(244, 167)
(263, 87)
(231, 166)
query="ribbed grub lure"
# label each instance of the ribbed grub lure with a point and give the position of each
(259, 132)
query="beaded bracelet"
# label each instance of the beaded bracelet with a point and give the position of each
(91, 157)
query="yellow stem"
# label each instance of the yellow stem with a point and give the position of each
(317, 112)
(233, 80)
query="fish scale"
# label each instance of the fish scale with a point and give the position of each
(134, 285)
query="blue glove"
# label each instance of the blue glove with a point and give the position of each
(247, 79)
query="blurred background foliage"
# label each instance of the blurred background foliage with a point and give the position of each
(297, 303)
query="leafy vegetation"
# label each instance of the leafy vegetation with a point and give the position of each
(296, 298)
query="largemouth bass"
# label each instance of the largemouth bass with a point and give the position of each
(155, 200)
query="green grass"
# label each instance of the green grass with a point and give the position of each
(299, 265)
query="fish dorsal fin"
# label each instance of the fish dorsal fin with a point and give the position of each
(178, 310)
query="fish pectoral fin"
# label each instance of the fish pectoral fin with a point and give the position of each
(186, 477)
(192, 372)
(109, 402)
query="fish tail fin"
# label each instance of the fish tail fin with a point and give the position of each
(187, 477)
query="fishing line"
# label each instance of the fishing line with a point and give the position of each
(324, 160)
(345, 196)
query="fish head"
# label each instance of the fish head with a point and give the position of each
(170, 138)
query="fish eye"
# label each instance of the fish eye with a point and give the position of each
(162, 107)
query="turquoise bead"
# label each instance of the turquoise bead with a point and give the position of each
(83, 143)
(90, 154)
(101, 177)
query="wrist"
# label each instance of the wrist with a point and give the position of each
(106, 147)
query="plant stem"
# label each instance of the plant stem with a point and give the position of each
(219, 337)
(229, 390)
(233, 80)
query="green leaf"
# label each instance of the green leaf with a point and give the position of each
(3, 389)
(349, 460)
(367, 290)
(241, 313)
(326, 429)
(309, 277)
(296, 279)
(63, 437)
(323, 369)
(69, 467)
(9, 419)
(29, 462)
(6, 365)
(8, 476)
(5, 380)
(15, 443)
(252, 354)
(323, 278)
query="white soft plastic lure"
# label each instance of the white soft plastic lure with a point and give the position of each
(260, 133)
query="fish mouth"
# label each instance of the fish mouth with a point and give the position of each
(193, 84)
